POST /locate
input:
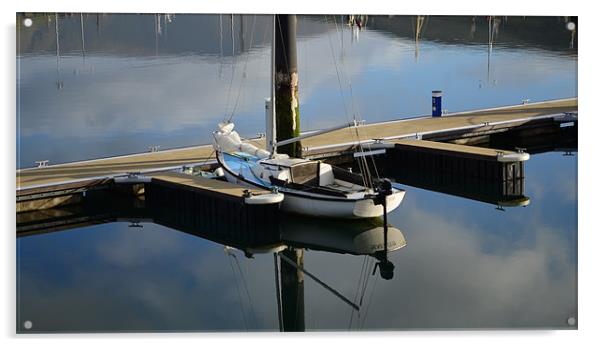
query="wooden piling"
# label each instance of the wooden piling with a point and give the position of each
(286, 84)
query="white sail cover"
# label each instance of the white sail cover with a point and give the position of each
(227, 140)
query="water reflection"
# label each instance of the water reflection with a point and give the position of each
(420, 23)
(288, 241)
(59, 82)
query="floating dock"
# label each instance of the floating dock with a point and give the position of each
(451, 127)
(483, 174)
(216, 210)
(464, 162)
(212, 187)
(178, 200)
(55, 185)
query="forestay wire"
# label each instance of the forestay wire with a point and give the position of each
(229, 115)
(362, 161)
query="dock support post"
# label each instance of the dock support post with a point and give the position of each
(436, 103)
(286, 83)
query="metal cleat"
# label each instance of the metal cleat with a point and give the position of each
(132, 177)
(42, 163)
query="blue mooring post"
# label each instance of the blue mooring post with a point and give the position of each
(437, 94)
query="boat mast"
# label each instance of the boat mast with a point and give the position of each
(270, 105)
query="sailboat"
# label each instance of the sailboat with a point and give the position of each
(310, 187)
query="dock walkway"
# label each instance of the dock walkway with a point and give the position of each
(451, 125)
(196, 183)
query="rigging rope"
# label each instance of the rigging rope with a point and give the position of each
(362, 161)
(355, 106)
(357, 290)
(242, 309)
(366, 280)
(207, 158)
(369, 302)
(365, 174)
(244, 71)
(363, 282)
(246, 288)
(234, 63)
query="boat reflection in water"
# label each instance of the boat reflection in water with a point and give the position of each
(361, 237)
(286, 238)
(297, 234)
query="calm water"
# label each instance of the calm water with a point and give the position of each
(141, 80)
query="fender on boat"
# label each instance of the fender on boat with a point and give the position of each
(219, 172)
(513, 157)
(264, 199)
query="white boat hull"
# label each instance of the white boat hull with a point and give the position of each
(363, 208)
(333, 208)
